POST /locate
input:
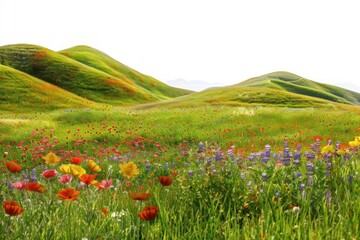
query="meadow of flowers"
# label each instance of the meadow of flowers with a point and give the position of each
(181, 174)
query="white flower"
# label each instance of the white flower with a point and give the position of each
(296, 209)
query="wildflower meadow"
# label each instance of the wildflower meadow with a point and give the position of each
(195, 173)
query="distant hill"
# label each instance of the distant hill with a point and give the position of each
(97, 81)
(280, 89)
(289, 82)
(22, 92)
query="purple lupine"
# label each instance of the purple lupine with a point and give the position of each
(351, 177)
(231, 154)
(166, 166)
(218, 155)
(264, 176)
(302, 187)
(33, 175)
(309, 167)
(147, 167)
(252, 156)
(286, 154)
(201, 147)
(310, 181)
(191, 173)
(266, 154)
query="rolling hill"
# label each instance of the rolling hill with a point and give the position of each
(96, 84)
(289, 82)
(22, 92)
(280, 89)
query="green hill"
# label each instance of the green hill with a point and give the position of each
(22, 93)
(99, 60)
(280, 89)
(81, 79)
(289, 82)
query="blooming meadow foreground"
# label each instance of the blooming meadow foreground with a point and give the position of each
(307, 188)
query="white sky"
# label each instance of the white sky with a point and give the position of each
(213, 41)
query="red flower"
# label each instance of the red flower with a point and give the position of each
(149, 213)
(49, 173)
(35, 187)
(318, 138)
(12, 208)
(88, 178)
(68, 194)
(165, 180)
(13, 167)
(76, 160)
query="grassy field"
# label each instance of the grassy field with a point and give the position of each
(229, 187)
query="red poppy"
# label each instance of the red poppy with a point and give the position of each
(149, 213)
(69, 194)
(318, 138)
(88, 178)
(141, 196)
(12, 208)
(51, 173)
(13, 167)
(35, 187)
(76, 160)
(165, 180)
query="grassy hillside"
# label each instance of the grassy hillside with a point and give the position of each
(292, 83)
(99, 60)
(248, 97)
(22, 93)
(74, 76)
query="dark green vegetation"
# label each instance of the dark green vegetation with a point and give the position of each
(109, 82)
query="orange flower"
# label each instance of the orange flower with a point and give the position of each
(173, 172)
(13, 167)
(165, 180)
(104, 211)
(35, 187)
(141, 196)
(68, 194)
(12, 208)
(88, 178)
(76, 160)
(149, 213)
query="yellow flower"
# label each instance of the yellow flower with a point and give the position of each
(76, 170)
(52, 159)
(354, 143)
(341, 152)
(328, 149)
(129, 170)
(72, 169)
(93, 166)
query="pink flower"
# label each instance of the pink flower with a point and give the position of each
(104, 184)
(51, 173)
(19, 185)
(64, 179)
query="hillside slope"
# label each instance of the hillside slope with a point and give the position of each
(74, 76)
(22, 93)
(101, 61)
(280, 89)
